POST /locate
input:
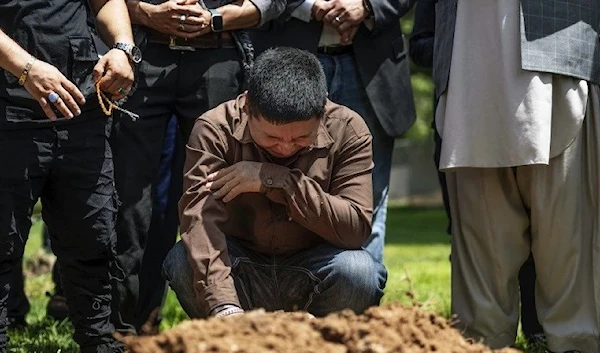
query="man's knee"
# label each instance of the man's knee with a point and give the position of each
(175, 264)
(176, 270)
(362, 279)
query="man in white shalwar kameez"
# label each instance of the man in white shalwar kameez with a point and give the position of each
(519, 117)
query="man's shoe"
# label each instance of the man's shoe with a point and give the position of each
(17, 323)
(57, 307)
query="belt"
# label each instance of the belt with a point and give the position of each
(336, 50)
(206, 41)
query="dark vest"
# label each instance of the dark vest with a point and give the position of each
(556, 36)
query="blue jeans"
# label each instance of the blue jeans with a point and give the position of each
(319, 280)
(345, 87)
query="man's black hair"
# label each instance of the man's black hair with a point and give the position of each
(286, 85)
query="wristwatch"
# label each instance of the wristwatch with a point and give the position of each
(216, 20)
(134, 53)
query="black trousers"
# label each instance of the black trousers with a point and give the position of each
(170, 82)
(71, 169)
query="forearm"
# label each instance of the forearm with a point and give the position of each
(343, 220)
(113, 21)
(13, 58)
(250, 13)
(240, 14)
(139, 12)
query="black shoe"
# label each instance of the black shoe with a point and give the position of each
(17, 323)
(57, 307)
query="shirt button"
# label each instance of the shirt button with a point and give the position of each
(269, 181)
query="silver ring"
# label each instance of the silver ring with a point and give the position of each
(122, 91)
(337, 19)
(182, 18)
(53, 97)
(181, 27)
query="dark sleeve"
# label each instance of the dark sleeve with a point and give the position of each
(422, 38)
(388, 12)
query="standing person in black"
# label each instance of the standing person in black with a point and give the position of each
(194, 59)
(421, 53)
(54, 146)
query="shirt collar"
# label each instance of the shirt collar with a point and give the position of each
(242, 132)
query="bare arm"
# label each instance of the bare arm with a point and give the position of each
(113, 21)
(13, 58)
(165, 17)
(42, 79)
(114, 70)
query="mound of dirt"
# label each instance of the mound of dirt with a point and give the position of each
(387, 329)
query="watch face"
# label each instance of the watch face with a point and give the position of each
(136, 54)
(216, 22)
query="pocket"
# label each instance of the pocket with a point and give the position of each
(83, 59)
(20, 115)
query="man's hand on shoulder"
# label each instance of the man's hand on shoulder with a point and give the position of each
(237, 179)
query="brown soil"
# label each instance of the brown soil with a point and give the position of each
(388, 329)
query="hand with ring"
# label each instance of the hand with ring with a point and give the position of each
(345, 14)
(51, 88)
(114, 71)
(180, 18)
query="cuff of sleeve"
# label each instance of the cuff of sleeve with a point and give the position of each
(221, 293)
(304, 11)
(273, 176)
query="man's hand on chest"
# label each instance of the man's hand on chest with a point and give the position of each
(228, 183)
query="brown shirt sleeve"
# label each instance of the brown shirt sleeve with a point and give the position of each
(342, 214)
(202, 219)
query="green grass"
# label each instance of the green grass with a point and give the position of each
(416, 256)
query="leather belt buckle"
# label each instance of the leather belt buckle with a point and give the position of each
(173, 45)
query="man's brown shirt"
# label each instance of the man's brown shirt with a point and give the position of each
(321, 194)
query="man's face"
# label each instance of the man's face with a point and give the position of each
(283, 141)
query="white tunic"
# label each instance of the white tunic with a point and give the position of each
(494, 114)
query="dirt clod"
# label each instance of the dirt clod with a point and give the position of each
(387, 329)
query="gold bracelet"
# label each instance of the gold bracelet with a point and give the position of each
(23, 76)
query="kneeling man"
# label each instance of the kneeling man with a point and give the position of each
(277, 200)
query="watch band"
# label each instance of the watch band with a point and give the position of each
(131, 50)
